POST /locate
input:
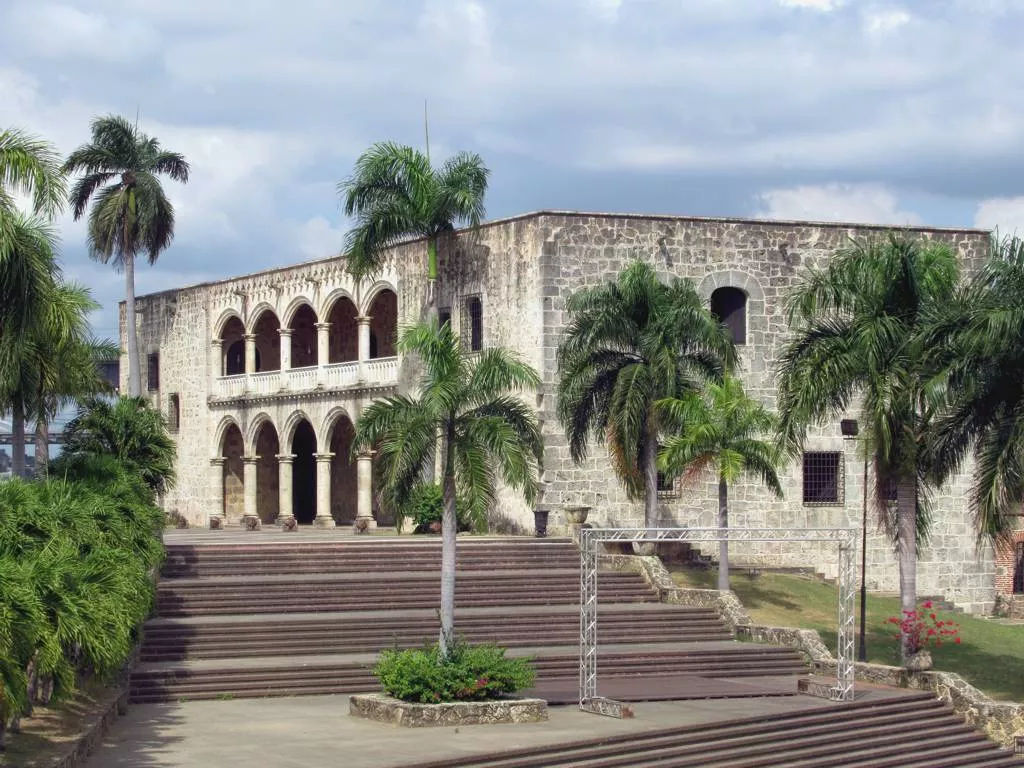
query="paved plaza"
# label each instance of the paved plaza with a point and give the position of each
(317, 731)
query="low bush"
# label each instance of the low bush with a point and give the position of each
(425, 507)
(470, 673)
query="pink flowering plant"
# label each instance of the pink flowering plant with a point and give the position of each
(923, 628)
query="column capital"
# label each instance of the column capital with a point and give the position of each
(218, 461)
(366, 455)
(217, 343)
(285, 458)
(251, 459)
(323, 457)
(249, 336)
(363, 319)
(320, 326)
(286, 331)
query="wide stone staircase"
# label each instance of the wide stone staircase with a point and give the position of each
(895, 730)
(270, 614)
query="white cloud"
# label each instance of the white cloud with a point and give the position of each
(881, 22)
(860, 203)
(61, 31)
(1003, 213)
(816, 5)
(316, 238)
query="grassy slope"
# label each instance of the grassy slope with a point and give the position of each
(990, 654)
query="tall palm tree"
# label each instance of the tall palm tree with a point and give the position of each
(724, 432)
(130, 214)
(859, 329)
(395, 193)
(28, 277)
(981, 337)
(32, 166)
(488, 433)
(631, 343)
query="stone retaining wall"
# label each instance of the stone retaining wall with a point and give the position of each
(385, 709)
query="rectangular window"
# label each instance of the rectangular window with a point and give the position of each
(473, 324)
(444, 316)
(890, 489)
(823, 478)
(667, 487)
(153, 371)
(173, 412)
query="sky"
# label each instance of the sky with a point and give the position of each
(890, 112)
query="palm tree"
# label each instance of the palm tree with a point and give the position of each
(487, 433)
(28, 275)
(131, 431)
(130, 213)
(631, 343)
(859, 335)
(32, 166)
(723, 432)
(981, 337)
(395, 193)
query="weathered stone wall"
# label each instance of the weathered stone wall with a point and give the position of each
(763, 259)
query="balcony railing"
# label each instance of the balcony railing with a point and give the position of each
(333, 376)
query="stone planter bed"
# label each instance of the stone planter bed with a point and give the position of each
(384, 709)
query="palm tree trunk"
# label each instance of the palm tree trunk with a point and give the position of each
(649, 467)
(723, 546)
(42, 446)
(448, 530)
(906, 522)
(134, 374)
(18, 438)
(431, 306)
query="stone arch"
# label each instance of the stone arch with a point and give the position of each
(342, 314)
(231, 447)
(222, 427)
(266, 447)
(734, 297)
(232, 346)
(255, 424)
(383, 312)
(225, 317)
(339, 433)
(373, 291)
(302, 320)
(267, 330)
(258, 312)
(287, 432)
(294, 306)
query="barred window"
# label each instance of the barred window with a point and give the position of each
(668, 488)
(823, 478)
(153, 371)
(473, 324)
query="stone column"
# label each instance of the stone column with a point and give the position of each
(323, 350)
(216, 358)
(286, 348)
(250, 353)
(249, 486)
(323, 517)
(364, 494)
(284, 486)
(364, 344)
(217, 491)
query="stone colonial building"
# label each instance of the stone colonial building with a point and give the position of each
(263, 376)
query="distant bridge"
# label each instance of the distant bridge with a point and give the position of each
(55, 438)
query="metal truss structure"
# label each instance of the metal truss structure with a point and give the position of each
(591, 538)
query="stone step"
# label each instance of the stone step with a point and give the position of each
(866, 733)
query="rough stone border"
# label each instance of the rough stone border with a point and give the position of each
(1001, 721)
(93, 729)
(385, 709)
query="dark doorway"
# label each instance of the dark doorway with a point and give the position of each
(1018, 570)
(729, 305)
(304, 474)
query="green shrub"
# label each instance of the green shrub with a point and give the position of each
(471, 672)
(425, 506)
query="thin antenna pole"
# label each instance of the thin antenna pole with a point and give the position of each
(426, 128)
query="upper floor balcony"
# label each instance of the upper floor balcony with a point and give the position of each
(304, 353)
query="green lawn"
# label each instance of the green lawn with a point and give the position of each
(990, 654)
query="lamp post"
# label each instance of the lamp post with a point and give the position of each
(851, 429)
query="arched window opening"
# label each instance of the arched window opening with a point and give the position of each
(729, 305)
(383, 324)
(304, 341)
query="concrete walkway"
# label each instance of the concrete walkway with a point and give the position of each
(317, 732)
